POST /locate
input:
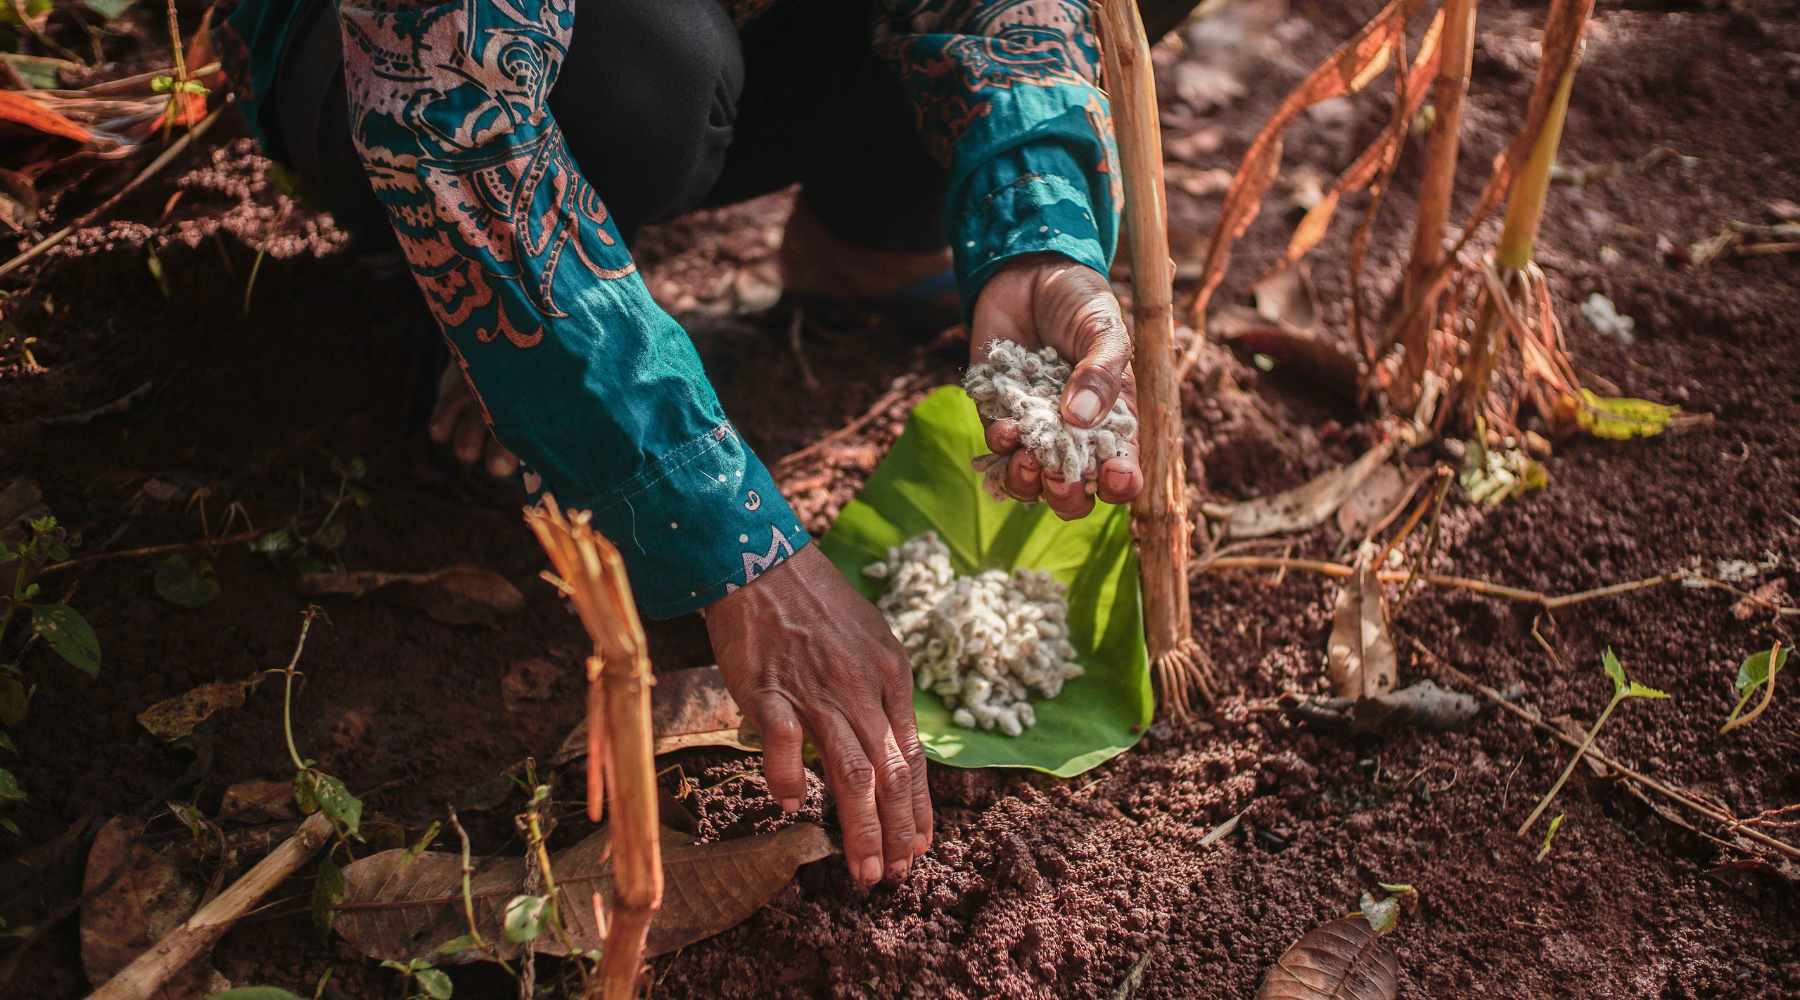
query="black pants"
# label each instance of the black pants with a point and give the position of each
(667, 107)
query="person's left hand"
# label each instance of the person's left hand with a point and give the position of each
(1047, 299)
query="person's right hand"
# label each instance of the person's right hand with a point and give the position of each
(804, 655)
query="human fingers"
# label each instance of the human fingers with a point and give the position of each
(1002, 435)
(1070, 500)
(471, 436)
(453, 399)
(1079, 315)
(1121, 478)
(782, 739)
(852, 781)
(500, 461)
(893, 787)
(1024, 475)
(905, 724)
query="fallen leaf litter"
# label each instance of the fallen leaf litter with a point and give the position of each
(982, 643)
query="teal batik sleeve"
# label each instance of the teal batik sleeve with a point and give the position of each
(579, 372)
(1005, 95)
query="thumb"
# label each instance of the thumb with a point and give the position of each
(1087, 329)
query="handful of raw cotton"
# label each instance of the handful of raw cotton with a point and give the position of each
(1026, 386)
(981, 643)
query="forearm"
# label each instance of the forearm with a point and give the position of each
(578, 371)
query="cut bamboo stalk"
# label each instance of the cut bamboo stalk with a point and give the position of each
(1435, 190)
(1159, 514)
(145, 976)
(620, 758)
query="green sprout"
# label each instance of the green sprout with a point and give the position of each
(1549, 835)
(1623, 688)
(1757, 671)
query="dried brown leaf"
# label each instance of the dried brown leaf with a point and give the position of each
(1379, 500)
(460, 595)
(1303, 507)
(688, 708)
(1746, 608)
(132, 896)
(1349, 69)
(1341, 960)
(1361, 652)
(24, 120)
(172, 718)
(398, 911)
(528, 680)
(258, 802)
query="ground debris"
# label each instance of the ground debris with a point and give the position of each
(460, 595)
(1423, 705)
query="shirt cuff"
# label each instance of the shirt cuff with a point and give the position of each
(1028, 199)
(696, 524)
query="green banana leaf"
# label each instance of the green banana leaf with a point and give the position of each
(925, 484)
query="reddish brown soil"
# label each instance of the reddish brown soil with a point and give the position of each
(1036, 887)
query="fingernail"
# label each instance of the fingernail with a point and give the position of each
(897, 870)
(790, 805)
(869, 871)
(1117, 480)
(499, 468)
(1086, 406)
(921, 843)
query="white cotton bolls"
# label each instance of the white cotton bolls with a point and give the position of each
(1026, 386)
(983, 643)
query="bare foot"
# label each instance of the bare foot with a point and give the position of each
(816, 262)
(458, 418)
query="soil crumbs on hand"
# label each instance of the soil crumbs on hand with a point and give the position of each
(1035, 887)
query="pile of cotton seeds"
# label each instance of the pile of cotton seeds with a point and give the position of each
(1026, 386)
(984, 644)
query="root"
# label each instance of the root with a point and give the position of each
(1185, 668)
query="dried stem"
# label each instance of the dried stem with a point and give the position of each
(619, 734)
(1159, 513)
(1681, 797)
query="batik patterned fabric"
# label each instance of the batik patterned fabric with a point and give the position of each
(578, 370)
(1005, 96)
(595, 388)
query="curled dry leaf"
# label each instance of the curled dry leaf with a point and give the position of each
(1303, 507)
(23, 119)
(1341, 960)
(132, 896)
(397, 911)
(688, 708)
(258, 802)
(460, 595)
(172, 718)
(1378, 500)
(1361, 654)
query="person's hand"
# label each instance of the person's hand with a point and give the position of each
(1048, 299)
(804, 655)
(457, 417)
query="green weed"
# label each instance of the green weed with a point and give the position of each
(1623, 688)
(1757, 671)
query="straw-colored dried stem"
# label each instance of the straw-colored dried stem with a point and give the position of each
(621, 762)
(1159, 513)
(1679, 796)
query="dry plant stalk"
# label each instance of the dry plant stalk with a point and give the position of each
(620, 737)
(1159, 513)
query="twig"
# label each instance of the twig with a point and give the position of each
(620, 757)
(168, 155)
(795, 344)
(1400, 576)
(156, 550)
(1429, 551)
(1684, 798)
(145, 976)
(903, 387)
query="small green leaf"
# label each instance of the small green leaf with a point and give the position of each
(318, 792)
(349, 468)
(109, 9)
(1636, 690)
(279, 540)
(330, 535)
(1384, 916)
(69, 636)
(1549, 835)
(10, 791)
(425, 840)
(189, 585)
(328, 892)
(254, 993)
(434, 982)
(1754, 671)
(11, 827)
(189, 816)
(7, 743)
(357, 495)
(1614, 670)
(525, 916)
(15, 701)
(456, 946)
